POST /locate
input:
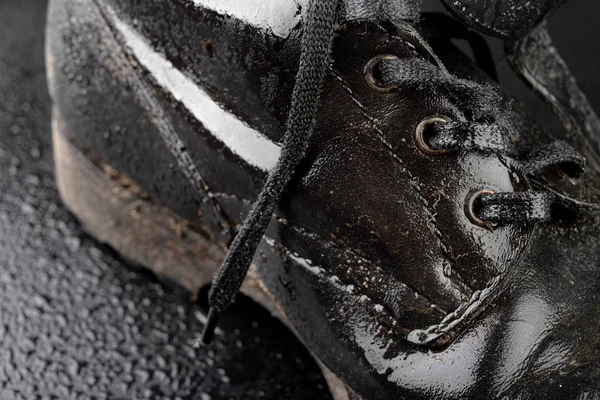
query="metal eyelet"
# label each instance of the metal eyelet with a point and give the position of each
(567, 173)
(370, 73)
(422, 140)
(470, 211)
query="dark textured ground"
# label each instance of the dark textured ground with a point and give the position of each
(75, 320)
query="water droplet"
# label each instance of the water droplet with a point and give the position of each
(27, 208)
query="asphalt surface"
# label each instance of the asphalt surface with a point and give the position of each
(78, 322)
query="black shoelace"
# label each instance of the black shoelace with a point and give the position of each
(315, 52)
(487, 208)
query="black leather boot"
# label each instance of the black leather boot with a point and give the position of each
(424, 240)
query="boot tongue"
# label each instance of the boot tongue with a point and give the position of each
(508, 19)
(380, 10)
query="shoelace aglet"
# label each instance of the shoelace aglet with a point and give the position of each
(208, 333)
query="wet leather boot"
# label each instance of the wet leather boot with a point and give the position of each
(403, 216)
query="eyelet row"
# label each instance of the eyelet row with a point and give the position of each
(421, 131)
(421, 138)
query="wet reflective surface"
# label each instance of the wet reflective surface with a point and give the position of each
(78, 322)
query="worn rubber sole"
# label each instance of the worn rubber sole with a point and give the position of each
(118, 213)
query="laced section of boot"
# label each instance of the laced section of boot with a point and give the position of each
(439, 135)
(436, 135)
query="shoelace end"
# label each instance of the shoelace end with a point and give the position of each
(208, 333)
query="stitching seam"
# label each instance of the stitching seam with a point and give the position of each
(314, 236)
(447, 324)
(384, 317)
(431, 221)
(336, 243)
